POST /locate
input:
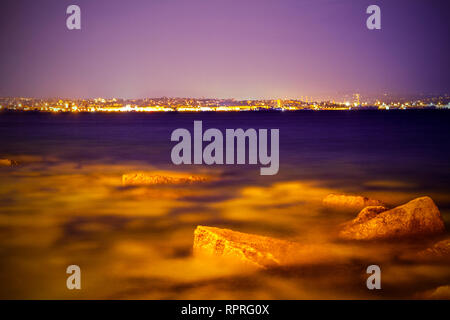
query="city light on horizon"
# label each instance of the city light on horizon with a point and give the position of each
(214, 105)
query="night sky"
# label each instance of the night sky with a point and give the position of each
(246, 49)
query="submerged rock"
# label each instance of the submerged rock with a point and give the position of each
(439, 251)
(8, 163)
(440, 293)
(342, 201)
(256, 250)
(418, 217)
(141, 178)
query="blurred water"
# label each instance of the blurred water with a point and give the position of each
(65, 204)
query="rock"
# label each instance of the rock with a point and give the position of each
(418, 217)
(8, 163)
(342, 201)
(5, 162)
(439, 251)
(368, 213)
(440, 293)
(256, 250)
(141, 178)
(363, 216)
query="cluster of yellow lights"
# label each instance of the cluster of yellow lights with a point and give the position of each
(112, 105)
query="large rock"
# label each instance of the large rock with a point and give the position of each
(142, 178)
(342, 201)
(418, 217)
(256, 250)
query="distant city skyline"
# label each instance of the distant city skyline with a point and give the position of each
(339, 97)
(212, 105)
(248, 49)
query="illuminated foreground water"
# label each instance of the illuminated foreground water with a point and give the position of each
(66, 204)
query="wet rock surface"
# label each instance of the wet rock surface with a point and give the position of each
(256, 250)
(368, 213)
(141, 178)
(352, 202)
(8, 163)
(439, 293)
(419, 217)
(440, 251)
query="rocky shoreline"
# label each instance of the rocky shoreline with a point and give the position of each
(418, 219)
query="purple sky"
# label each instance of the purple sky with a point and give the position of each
(223, 48)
